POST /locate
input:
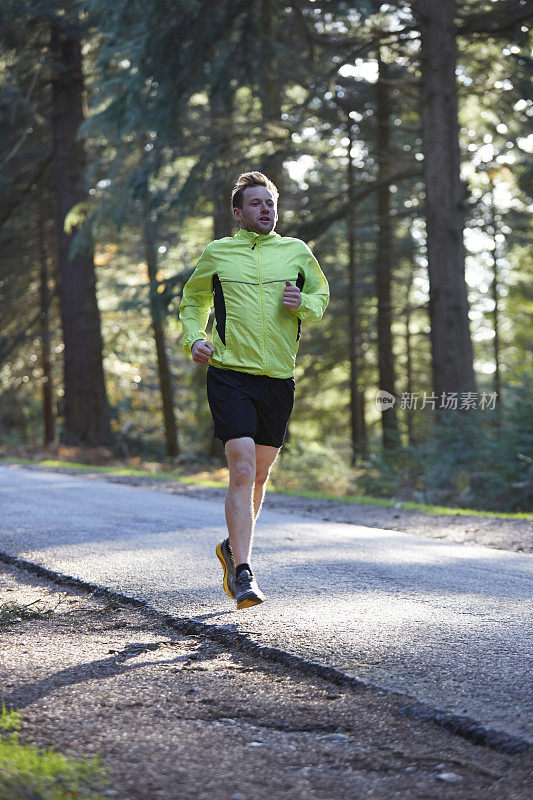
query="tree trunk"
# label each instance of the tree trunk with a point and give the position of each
(223, 177)
(356, 390)
(222, 183)
(451, 346)
(86, 406)
(389, 420)
(495, 313)
(408, 346)
(271, 94)
(156, 313)
(44, 319)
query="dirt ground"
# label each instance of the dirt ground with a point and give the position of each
(181, 717)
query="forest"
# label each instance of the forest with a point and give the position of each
(399, 135)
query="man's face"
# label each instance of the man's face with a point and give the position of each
(259, 212)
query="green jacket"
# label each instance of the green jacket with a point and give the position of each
(243, 277)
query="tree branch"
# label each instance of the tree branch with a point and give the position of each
(501, 19)
(312, 228)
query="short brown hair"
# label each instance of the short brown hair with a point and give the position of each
(248, 179)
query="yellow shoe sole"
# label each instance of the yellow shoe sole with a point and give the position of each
(225, 578)
(248, 603)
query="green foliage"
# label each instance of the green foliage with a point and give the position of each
(30, 773)
(168, 125)
(313, 466)
(10, 721)
(463, 463)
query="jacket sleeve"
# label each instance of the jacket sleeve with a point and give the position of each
(196, 301)
(315, 296)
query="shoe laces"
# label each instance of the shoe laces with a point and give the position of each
(244, 577)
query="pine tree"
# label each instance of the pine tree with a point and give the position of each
(86, 407)
(445, 200)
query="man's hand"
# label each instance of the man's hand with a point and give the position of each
(202, 351)
(291, 296)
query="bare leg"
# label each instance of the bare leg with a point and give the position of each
(239, 503)
(264, 459)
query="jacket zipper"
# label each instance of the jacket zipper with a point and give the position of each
(262, 303)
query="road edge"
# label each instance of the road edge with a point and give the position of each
(466, 727)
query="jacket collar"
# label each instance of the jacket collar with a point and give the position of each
(252, 236)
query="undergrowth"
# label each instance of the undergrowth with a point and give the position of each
(31, 773)
(12, 612)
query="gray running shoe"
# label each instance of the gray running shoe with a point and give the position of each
(248, 592)
(225, 556)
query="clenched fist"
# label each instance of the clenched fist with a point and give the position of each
(202, 351)
(291, 296)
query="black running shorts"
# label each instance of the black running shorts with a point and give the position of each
(249, 405)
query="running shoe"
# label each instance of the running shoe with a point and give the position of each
(225, 556)
(248, 592)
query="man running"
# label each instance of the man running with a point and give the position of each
(262, 287)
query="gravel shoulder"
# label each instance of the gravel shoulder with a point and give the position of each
(181, 717)
(500, 533)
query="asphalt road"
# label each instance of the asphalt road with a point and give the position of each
(448, 624)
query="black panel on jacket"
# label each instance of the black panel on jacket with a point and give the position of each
(220, 309)
(300, 280)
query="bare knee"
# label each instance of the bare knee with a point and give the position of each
(261, 475)
(265, 457)
(241, 461)
(242, 472)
